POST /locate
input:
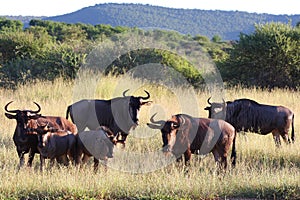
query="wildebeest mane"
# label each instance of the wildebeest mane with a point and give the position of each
(246, 115)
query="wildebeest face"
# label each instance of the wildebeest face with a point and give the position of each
(22, 116)
(134, 109)
(216, 110)
(42, 132)
(135, 104)
(169, 132)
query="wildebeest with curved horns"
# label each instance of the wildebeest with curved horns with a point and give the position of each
(248, 115)
(183, 134)
(26, 141)
(118, 114)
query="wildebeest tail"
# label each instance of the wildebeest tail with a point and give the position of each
(233, 151)
(68, 112)
(293, 131)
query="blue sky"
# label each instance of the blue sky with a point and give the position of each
(59, 7)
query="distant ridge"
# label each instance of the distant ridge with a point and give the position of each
(227, 24)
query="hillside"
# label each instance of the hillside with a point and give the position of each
(227, 24)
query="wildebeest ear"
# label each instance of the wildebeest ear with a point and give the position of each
(146, 103)
(155, 126)
(207, 108)
(10, 116)
(34, 116)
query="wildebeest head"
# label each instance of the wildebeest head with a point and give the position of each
(125, 112)
(174, 136)
(22, 117)
(42, 133)
(216, 110)
(114, 139)
(135, 104)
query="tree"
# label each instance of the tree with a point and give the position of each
(267, 58)
(10, 25)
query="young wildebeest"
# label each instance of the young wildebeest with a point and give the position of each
(183, 134)
(248, 115)
(26, 141)
(55, 144)
(96, 143)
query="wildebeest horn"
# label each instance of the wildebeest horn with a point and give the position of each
(156, 124)
(124, 93)
(11, 111)
(14, 111)
(39, 108)
(209, 100)
(224, 103)
(147, 97)
(161, 122)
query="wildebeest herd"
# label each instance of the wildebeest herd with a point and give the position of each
(110, 121)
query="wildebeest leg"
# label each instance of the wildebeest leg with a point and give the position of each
(84, 160)
(187, 158)
(52, 160)
(62, 160)
(105, 164)
(223, 165)
(285, 137)
(96, 164)
(72, 154)
(22, 159)
(276, 137)
(218, 159)
(30, 158)
(179, 159)
(42, 162)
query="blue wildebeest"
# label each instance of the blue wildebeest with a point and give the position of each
(248, 115)
(118, 114)
(26, 141)
(55, 144)
(183, 134)
(98, 144)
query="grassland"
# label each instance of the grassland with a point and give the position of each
(262, 172)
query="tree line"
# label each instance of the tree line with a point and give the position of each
(45, 50)
(227, 24)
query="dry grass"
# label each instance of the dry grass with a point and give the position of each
(262, 171)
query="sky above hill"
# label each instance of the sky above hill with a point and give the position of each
(59, 7)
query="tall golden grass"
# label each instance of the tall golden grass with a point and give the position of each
(262, 171)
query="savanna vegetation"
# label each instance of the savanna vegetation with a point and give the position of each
(56, 64)
(267, 58)
(262, 172)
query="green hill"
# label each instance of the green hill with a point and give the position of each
(227, 24)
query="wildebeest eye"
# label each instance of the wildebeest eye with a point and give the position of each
(174, 125)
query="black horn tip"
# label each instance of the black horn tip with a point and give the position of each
(8, 104)
(148, 95)
(124, 93)
(152, 118)
(6, 108)
(39, 108)
(208, 100)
